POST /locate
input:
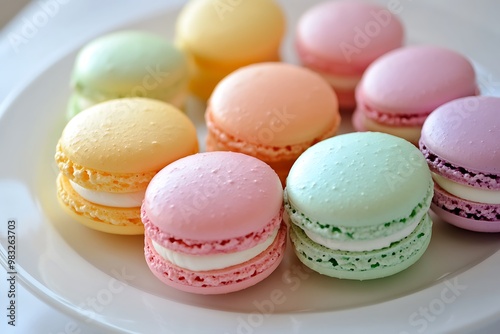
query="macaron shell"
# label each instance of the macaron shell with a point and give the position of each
(358, 121)
(363, 265)
(279, 162)
(346, 98)
(436, 76)
(213, 196)
(466, 214)
(358, 179)
(130, 63)
(466, 223)
(73, 108)
(235, 32)
(132, 135)
(282, 168)
(219, 140)
(459, 174)
(221, 281)
(125, 221)
(346, 36)
(98, 180)
(466, 133)
(197, 247)
(204, 77)
(274, 104)
(362, 123)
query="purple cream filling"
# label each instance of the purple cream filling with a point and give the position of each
(459, 174)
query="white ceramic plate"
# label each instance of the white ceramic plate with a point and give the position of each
(103, 279)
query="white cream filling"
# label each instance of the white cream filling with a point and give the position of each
(410, 133)
(367, 245)
(341, 82)
(467, 192)
(118, 200)
(213, 262)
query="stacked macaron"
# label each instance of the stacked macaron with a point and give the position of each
(108, 154)
(461, 142)
(128, 64)
(213, 223)
(358, 206)
(272, 111)
(339, 39)
(400, 89)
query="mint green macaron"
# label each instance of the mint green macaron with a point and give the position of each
(358, 205)
(128, 64)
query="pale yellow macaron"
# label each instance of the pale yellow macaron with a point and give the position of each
(222, 36)
(108, 153)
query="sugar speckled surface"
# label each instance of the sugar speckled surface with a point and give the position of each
(466, 134)
(359, 179)
(416, 80)
(274, 104)
(213, 196)
(344, 37)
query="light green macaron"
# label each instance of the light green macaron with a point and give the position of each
(128, 64)
(358, 204)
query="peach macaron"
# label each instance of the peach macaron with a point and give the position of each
(272, 111)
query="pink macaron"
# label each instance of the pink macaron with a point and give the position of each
(213, 223)
(461, 142)
(339, 39)
(400, 89)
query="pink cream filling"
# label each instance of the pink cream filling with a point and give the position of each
(201, 247)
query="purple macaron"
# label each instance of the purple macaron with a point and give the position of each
(461, 143)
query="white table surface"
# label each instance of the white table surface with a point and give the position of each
(76, 21)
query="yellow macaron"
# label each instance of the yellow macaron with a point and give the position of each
(108, 153)
(222, 36)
